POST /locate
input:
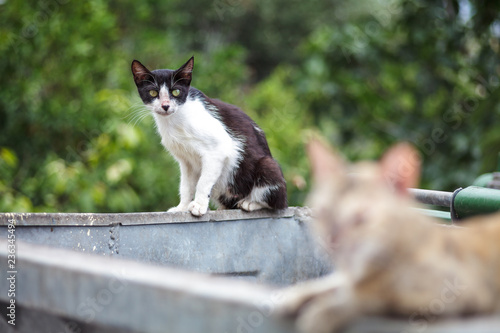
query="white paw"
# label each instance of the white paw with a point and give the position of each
(197, 209)
(176, 209)
(250, 206)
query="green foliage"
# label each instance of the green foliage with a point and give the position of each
(274, 106)
(74, 137)
(419, 75)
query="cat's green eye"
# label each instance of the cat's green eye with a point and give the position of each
(176, 92)
(153, 93)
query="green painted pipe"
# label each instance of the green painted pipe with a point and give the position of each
(444, 216)
(474, 200)
(491, 180)
(483, 180)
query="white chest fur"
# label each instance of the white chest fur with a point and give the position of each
(192, 132)
(201, 145)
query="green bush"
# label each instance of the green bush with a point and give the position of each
(74, 135)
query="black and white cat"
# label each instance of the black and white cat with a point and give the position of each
(221, 151)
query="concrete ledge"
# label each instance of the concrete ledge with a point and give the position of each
(107, 219)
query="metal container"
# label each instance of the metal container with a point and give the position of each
(161, 272)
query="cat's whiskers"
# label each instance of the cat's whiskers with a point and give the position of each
(138, 119)
(138, 112)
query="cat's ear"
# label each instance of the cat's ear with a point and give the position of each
(400, 167)
(185, 73)
(141, 73)
(325, 163)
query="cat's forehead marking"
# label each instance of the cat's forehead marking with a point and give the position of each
(163, 76)
(164, 92)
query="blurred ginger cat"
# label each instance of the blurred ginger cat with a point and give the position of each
(389, 258)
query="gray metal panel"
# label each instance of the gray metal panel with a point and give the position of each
(63, 291)
(102, 219)
(83, 239)
(130, 296)
(265, 247)
(272, 251)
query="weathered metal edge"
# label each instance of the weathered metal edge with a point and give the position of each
(121, 294)
(136, 296)
(107, 219)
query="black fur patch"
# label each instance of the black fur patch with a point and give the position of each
(257, 167)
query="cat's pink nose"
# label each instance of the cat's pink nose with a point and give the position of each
(165, 107)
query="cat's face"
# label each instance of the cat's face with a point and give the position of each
(354, 202)
(163, 91)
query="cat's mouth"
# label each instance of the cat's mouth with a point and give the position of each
(164, 113)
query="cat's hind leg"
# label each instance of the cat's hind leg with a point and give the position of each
(268, 173)
(251, 206)
(269, 190)
(257, 199)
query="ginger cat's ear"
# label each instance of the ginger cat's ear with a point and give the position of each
(401, 167)
(325, 164)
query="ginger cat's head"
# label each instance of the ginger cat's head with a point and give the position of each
(354, 203)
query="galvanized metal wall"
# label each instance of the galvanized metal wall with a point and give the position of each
(264, 247)
(78, 273)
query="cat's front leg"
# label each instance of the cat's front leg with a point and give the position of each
(328, 312)
(298, 296)
(211, 170)
(321, 305)
(187, 187)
